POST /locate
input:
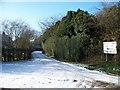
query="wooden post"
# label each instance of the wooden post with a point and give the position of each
(106, 57)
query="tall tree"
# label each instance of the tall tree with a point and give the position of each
(108, 18)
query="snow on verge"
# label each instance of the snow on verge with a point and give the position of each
(44, 72)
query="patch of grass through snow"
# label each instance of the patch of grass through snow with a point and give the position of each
(109, 67)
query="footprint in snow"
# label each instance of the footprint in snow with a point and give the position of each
(74, 80)
(49, 78)
(38, 82)
(49, 82)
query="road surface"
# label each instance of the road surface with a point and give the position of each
(45, 72)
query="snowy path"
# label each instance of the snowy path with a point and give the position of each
(44, 72)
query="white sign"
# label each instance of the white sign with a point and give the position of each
(110, 47)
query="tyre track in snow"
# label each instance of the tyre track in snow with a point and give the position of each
(43, 72)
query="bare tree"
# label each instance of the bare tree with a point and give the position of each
(14, 28)
(47, 23)
(6, 27)
(24, 40)
(20, 31)
(108, 20)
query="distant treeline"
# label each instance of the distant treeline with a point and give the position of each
(80, 35)
(15, 54)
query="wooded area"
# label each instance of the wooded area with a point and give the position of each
(79, 36)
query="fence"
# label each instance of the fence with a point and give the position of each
(15, 54)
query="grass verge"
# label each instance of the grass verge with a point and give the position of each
(110, 67)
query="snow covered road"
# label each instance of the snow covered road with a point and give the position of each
(44, 72)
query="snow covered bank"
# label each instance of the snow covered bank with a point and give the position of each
(44, 72)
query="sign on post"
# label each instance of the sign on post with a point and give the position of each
(110, 47)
